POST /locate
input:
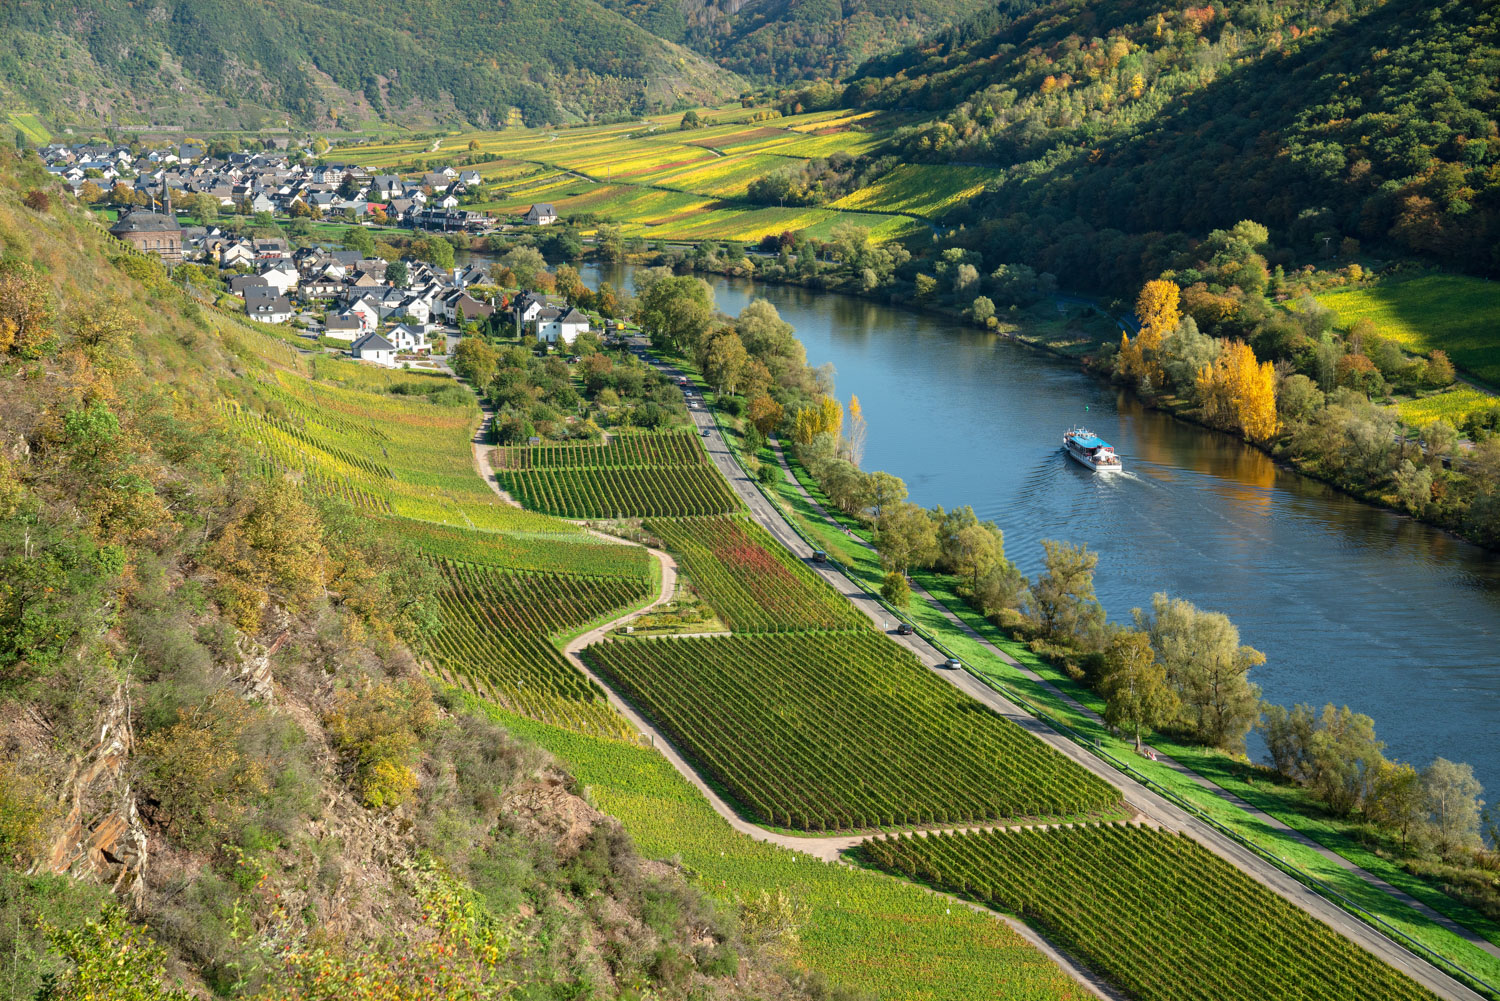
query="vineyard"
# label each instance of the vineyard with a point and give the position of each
(496, 640)
(1157, 914)
(753, 583)
(580, 554)
(633, 476)
(841, 731)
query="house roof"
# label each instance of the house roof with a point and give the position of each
(373, 342)
(574, 316)
(143, 221)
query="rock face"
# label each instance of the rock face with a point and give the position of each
(101, 836)
(546, 809)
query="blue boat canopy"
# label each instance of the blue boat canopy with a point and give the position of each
(1089, 441)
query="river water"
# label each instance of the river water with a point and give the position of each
(1349, 603)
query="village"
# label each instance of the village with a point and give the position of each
(407, 312)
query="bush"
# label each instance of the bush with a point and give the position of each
(378, 732)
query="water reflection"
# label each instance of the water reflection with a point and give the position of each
(1350, 604)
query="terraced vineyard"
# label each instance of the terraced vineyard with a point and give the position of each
(841, 731)
(753, 583)
(633, 476)
(1158, 915)
(578, 554)
(496, 640)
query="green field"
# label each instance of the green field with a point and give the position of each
(1453, 405)
(30, 126)
(1161, 917)
(496, 640)
(639, 475)
(842, 731)
(662, 183)
(862, 929)
(1457, 313)
(753, 583)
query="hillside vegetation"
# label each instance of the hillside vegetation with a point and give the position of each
(222, 770)
(254, 63)
(785, 40)
(1120, 132)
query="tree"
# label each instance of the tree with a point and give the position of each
(25, 311)
(690, 120)
(858, 432)
(982, 310)
(1345, 759)
(724, 360)
(610, 241)
(1240, 393)
(90, 193)
(906, 537)
(1451, 794)
(109, 959)
(476, 361)
(895, 590)
(1158, 307)
(1062, 601)
(434, 250)
(358, 238)
(883, 490)
(1439, 369)
(569, 284)
(766, 414)
(830, 416)
(674, 311)
(1397, 801)
(1207, 667)
(397, 274)
(977, 550)
(1134, 686)
(525, 264)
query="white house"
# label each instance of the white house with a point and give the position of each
(343, 328)
(374, 348)
(277, 310)
(282, 277)
(368, 314)
(409, 339)
(565, 327)
(540, 214)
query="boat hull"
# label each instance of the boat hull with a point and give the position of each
(1086, 461)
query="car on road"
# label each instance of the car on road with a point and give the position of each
(705, 432)
(904, 629)
(818, 556)
(953, 664)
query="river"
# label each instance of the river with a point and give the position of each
(1350, 604)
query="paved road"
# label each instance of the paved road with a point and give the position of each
(1142, 801)
(1467, 934)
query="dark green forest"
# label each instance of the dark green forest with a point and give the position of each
(467, 59)
(1122, 128)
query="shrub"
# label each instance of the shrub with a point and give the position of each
(378, 731)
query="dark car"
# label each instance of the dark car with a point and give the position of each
(705, 432)
(818, 556)
(904, 629)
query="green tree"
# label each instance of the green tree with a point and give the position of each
(906, 537)
(883, 490)
(109, 959)
(691, 120)
(359, 238)
(1062, 602)
(396, 273)
(675, 311)
(724, 360)
(1451, 795)
(476, 361)
(895, 590)
(977, 550)
(1398, 803)
(526, 263)
(1134, 685)
(1207, 667)
(434, 250)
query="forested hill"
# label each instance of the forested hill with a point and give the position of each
(248, 63)
(786, 40)
(1122, 127)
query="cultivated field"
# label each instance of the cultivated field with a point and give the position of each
(659, 182)
(633, 476)
(753, 583)
(842, 731)
(1158, 915)
(496, 640)
(1456, 313)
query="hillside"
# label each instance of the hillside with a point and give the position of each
(220, 763)
(215, 64)
(788, 40)
(1118, 132)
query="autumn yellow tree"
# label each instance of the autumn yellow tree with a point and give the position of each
(858, 431)
(1158, 308)
(1239, 392)
(765, 414)
(830, 416)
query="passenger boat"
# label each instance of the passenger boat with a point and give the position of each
(1091, 450)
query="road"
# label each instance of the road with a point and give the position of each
(1137, 798)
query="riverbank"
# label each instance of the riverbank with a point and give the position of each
(1077, 336)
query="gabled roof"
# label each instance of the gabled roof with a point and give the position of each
(373, 342)
(143, 221)
(574, 316)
